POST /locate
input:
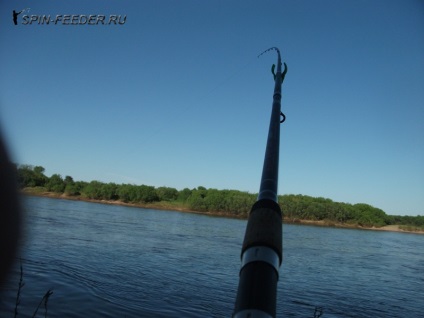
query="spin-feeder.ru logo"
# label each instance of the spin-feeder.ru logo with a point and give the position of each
(67, 19)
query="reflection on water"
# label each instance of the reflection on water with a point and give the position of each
(112, 261)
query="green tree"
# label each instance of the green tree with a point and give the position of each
(55, 184)
(109, 191)
(39, 170)
(214, 200)
(68, 180)
(238, 203)
(29, 176)
(127, 193)
(196, 201)
(367, 215)
(147, 194)
(70, 187)
(25, 176)
(92, 190)
(167, 194)
(184, 194)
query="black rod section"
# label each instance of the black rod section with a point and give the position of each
(262, 251)
(269, 181)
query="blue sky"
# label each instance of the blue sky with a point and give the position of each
(177, 97)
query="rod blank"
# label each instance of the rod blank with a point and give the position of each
(262, 251)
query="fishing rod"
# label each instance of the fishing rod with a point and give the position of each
(262, 250)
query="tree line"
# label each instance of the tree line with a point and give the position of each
(229, 202)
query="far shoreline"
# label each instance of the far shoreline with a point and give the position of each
(171, 207)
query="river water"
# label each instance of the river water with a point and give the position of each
(114, 261)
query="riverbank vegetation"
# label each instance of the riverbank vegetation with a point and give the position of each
(233, 203)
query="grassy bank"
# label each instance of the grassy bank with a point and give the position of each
(230, 203)
(184, 207)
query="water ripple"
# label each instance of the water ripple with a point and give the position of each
(109, 261)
